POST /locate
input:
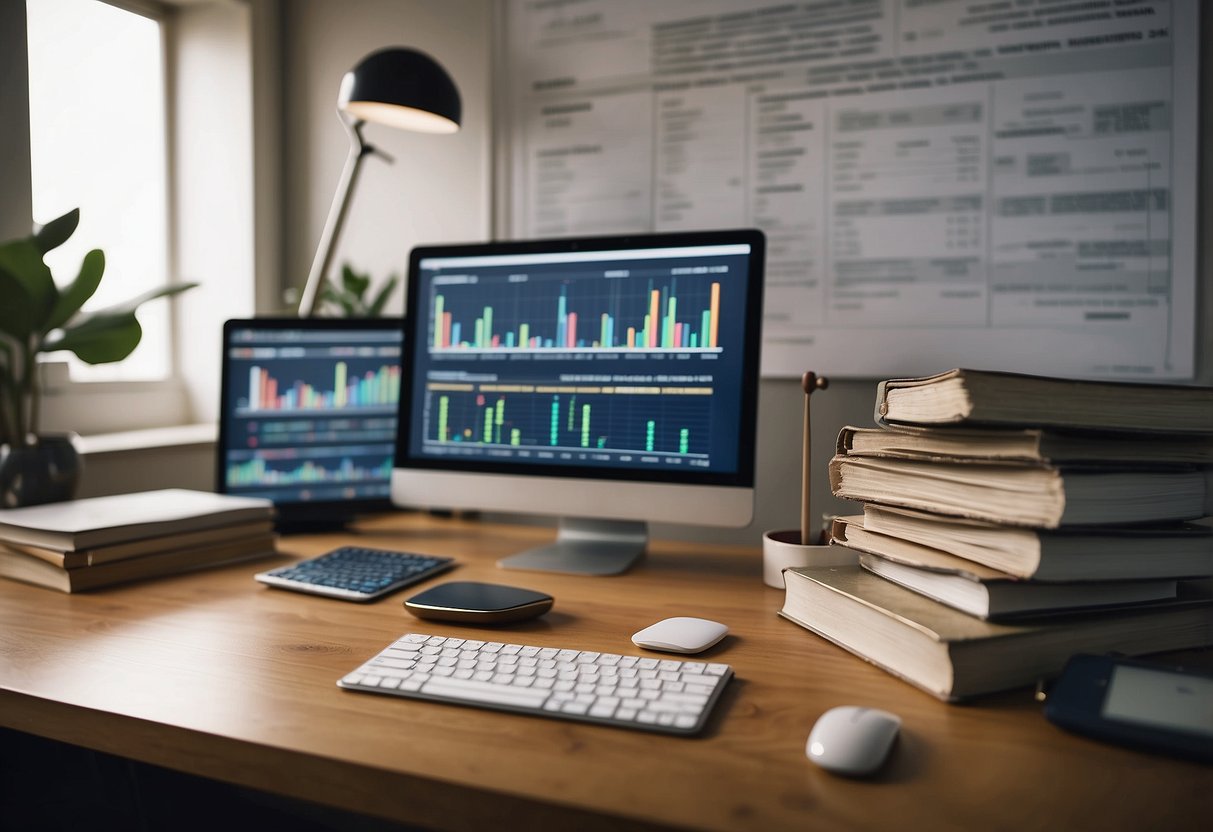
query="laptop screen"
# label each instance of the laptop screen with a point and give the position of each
(308, 413)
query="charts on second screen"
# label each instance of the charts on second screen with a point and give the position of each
(314, 413)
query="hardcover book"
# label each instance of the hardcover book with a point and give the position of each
(954, 656)
(1084, 553)
(74, 559)
(979, 590)
(1040, 496)
(978, 397)
(100, 521)
(36, 571)
(1031, 445)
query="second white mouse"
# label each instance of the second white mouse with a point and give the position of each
(852, 740)
(681, 635)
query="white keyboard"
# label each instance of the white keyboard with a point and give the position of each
(651, 694)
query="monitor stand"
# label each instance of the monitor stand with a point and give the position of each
(295, 519)
(319, 526)
(586, 547)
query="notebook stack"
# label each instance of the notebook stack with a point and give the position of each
(1010, 521)
(85, 544)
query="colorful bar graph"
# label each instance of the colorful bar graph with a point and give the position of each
(658, 328)
(572, 421)
(650, 323)
(257, 472)
(441, 332)
(378, 388)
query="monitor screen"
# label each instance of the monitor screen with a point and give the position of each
(611, 377)
(308, 414)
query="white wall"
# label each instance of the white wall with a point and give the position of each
(438, 189)
(213, 150)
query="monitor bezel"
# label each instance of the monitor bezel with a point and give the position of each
(300, 513)
(743, 477)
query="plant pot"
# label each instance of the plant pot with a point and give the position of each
(783, 550)
(46, 472)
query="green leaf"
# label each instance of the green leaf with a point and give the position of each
(348, 303)
(380, 301)
(16, 315)
(354, 283)
(101, 339)
(80, 290)
(128, 307)
(22, 261)
(56, 232)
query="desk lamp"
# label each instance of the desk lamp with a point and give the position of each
(401, 88)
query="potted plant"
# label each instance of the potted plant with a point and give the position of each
(349, 299)
(38, 316)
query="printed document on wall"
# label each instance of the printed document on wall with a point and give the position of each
(1005, 185)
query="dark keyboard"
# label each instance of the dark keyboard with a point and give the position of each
(354, 573)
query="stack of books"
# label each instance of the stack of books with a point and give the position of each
(1011, 521)
(85, 544)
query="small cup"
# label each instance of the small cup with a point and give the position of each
(783, 550)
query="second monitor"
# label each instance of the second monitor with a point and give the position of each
(609, 381)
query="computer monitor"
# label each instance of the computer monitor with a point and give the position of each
(308, 415)
(609, 381)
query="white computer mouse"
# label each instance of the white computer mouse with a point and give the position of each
(681, 635)
(852, 740)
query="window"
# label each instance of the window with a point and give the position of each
(98, 142)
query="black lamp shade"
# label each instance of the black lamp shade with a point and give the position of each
(403, 88)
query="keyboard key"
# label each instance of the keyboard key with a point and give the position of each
(668, 696)
(355, 573)
(469, 690)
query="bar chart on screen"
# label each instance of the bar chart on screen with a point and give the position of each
(269, 388)
(345, 465)
(553, 313)
(312, 413)
(668, 424)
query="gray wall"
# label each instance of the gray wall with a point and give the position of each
(16, 206)
(439, 191)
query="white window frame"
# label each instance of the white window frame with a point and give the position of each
(91, 407)
(191, 33)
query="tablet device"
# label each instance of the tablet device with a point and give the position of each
(308, 415)
(1138, 704)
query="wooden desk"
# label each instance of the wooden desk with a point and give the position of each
(214, 675)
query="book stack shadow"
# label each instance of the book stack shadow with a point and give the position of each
(97, 542)
(1009, 522)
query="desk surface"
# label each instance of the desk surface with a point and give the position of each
(215, 675)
